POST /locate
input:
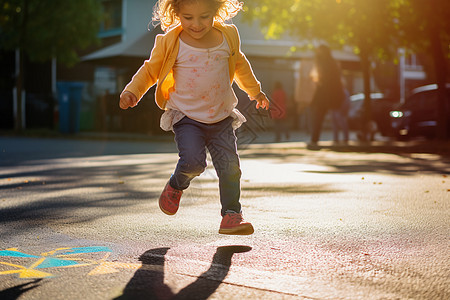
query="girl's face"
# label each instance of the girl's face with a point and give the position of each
(197, 18)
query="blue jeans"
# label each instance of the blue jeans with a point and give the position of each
(339, 124)
(192, 139)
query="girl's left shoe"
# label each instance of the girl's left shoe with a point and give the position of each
(169, 201)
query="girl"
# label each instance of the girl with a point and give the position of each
(194, 65)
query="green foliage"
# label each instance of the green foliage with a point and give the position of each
(371, 26)
(417, 19)
(44, 29)
(375, 28)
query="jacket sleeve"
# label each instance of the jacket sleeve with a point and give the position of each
(244, 76)
(147, 75)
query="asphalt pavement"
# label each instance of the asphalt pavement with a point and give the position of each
(79, 219)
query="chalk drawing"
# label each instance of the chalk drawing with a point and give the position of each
(67, 257)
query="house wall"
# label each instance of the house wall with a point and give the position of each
(137, 17)
(270, 59)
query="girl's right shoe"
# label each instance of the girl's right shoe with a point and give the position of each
(169, 201)
(233, 223)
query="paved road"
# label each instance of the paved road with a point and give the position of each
(80, 220)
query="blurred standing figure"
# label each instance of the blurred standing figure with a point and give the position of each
(278, 112)
(339, 117)
(329, 93)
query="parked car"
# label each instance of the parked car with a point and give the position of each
(380, 108)
(418, 116)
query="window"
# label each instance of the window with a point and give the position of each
(112, 18)
(412, 62)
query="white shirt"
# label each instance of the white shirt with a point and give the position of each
(202, 87)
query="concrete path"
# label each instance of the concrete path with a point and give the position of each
(80, 220)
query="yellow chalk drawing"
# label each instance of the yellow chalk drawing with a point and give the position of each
(25, 272)
(68, 257)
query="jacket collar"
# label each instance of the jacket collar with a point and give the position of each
(177, 29)
(232, 43)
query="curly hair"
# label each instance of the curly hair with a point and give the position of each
(165, 11)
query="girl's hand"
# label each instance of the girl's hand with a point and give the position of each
(127, 99)
(262, 101)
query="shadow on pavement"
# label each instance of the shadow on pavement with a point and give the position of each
(56, 197)
(403, 164)
(148, 281)
(16, 291)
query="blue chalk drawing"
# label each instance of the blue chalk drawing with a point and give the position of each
(57, 258)
(55, 263)
(16, 254)
(82, 250)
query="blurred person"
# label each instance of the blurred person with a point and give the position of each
(194, 65)
(329, 92)
(278, 112)
(339, 117)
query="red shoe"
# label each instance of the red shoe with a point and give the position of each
(233, 223)
(169, 201)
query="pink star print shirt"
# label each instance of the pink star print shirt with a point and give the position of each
(202, 87)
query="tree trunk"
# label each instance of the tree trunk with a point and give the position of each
(367, 109)
(20, 76)
(19, 88)
(440, 65)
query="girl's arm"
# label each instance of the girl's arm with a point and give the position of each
(244, 76)
(144, 78)
(262, 101)
(127, 99)
(246, 79)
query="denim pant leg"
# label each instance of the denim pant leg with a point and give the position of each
(191, 142)
(336, 125)
(317, 122)
(339, 124)
(222, 146)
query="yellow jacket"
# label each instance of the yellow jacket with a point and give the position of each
(158, 68)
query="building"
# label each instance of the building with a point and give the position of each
(127, 36)
(271, 59)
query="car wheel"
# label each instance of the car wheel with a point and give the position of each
(403, 138)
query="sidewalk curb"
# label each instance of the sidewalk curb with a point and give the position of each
(383, 146)
(430, 147)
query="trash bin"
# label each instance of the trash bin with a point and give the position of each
(69, 100)
(87, 116)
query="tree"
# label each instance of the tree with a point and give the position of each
(425, 27)
(367, 25)
(47, 29)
